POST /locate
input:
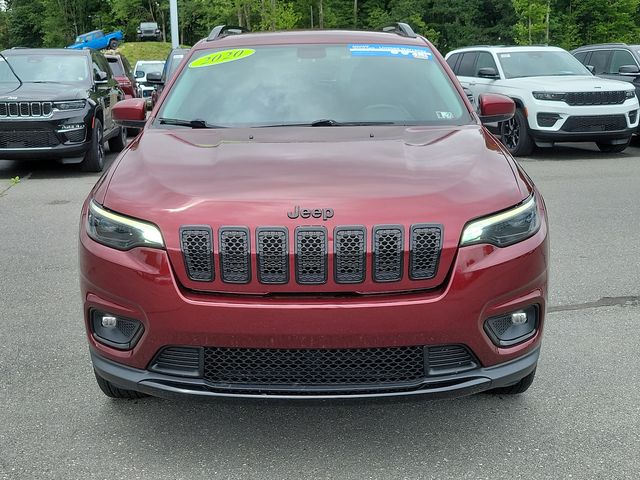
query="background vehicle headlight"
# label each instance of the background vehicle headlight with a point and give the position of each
(553, 96)
(118, 231)
(630, 94)
(506, 228)
(70, 105)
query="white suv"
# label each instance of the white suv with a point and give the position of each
(558, 98)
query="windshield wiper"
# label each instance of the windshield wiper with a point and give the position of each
(327, 122)
(196, 123)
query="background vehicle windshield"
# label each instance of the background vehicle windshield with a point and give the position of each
(540, 63)
(116, 67)
(50, 68)
(288, 85)
(150, 67)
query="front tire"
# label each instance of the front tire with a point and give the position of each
(94, 158)
(117, 143)
(515, 135)
(613, 148)
(110, 390)
(515, 389)
(113, 44)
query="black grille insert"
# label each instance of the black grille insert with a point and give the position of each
(313, 367)
(183, 361)
(28, 139)
(449, 359)
(595, 123)
(273, 255)
(311, 255)
(425, 245)
(235, 255)
(388, 250)
(350, 254)
(197, 250)
(596, 98)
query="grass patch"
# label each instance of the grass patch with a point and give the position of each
(135, 51)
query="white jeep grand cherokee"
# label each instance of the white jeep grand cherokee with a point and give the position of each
(558, 98)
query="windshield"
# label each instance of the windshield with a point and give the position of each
(6, 75)
(116, 67)
(50, 68)
(149, 25)
(288, 85)
(541, 63)
(150, 67)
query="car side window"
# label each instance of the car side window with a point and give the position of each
(103, 65)
(465, 69)
(620, 58)
(452, 60)
(485, 60)
(582, 57)
(599, 60)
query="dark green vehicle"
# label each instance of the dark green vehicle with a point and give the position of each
(56, 104)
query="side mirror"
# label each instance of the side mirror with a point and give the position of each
(130, 113)
(100, 77)
(632, 70)
(591, 68)
(154, 77)
(488, 72)
(495, 108)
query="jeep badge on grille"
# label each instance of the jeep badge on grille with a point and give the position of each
(324, 213)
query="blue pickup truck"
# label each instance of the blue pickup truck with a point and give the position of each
(98, 40)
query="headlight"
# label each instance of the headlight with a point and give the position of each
(70, 105)
(630, 94)
(504, 228)
(553, 96)
(118, 231)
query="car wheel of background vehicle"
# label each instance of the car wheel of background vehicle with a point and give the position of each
(113, 44)
(613, 148)
(110, 390)
(520, 387)
(515, 135)
(94, 158)
(117, 143)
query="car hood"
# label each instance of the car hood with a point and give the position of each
(43, 92)
(253, 178)
(569, 83)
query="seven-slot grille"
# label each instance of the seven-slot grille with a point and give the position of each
(596, 98)
(311, 246)
(595, 123)
(26, 109)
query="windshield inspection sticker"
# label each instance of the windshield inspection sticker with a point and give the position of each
(224, 56)
(444, 115)
(402, 51)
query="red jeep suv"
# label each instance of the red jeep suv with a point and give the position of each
(314, 214)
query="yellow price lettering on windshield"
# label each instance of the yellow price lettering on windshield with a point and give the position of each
(224, 56)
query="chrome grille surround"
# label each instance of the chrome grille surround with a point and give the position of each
(26, 109)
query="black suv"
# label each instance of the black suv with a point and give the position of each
(56, 103)
(616, 61)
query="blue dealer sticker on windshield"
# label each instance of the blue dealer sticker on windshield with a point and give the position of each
(402, 51)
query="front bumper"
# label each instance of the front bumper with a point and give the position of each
(483, 282)
(450, 386)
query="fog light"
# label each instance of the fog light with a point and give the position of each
(512, 328)
(115, 331)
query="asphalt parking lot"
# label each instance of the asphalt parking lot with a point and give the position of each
(580, 419)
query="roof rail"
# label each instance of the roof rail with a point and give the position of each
(223, 30)
(612, 44)
(399, 28)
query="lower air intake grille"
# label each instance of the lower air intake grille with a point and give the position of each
(198, 252)
(426, 241)
(303, 367)
(235, 255)
(311, 255)
(449, 359)
(273, 255)
(183, 361)
(388, 248)
(28, 139)
(595, 123)
(350, 254)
